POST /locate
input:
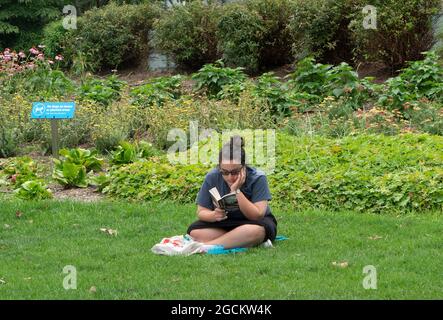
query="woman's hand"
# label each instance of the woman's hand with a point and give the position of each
(219, 214)
(240, 180)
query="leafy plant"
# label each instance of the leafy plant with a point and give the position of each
(72, 170)
(213, 77)
(317, 80)
(157, 91)
(127, 152)
(124, 154)
(33, 73)
(83, 157)
(33, 190)
(422, 79)
(241, 32)
(102, 91)
(310, 77)
(69, 174)
(19, 170)
(275, 92)
(146, 150)
(100, 181)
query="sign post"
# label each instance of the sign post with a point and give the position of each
(53, 111)
(54, 134)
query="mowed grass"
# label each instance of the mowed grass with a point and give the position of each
(50, 235)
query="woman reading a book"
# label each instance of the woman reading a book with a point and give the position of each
(241, 219)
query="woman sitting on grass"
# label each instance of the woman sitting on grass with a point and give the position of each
(251, 224)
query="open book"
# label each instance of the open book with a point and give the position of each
(227, 202)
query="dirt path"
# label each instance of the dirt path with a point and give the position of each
(76, 194)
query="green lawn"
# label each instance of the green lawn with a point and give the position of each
(50, 235)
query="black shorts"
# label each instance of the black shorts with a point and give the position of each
(268, 222)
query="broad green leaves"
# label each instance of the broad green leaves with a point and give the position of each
(72, 170)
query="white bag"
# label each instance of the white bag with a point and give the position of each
(177, 245)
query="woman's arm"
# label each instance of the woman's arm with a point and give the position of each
(252, 211)
(205, 214)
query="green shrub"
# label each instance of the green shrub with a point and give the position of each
(54, 37)
(422, 79)
(275, 92)
(253, 34)
(310, 77)
(404, 31)
(320, 29)
(156, 181)
(157, 91)
(112, 35)
(240, 33)
(371, 173)
(213, 77)
(319, 80)
(102, 91)
(368, 173)
(188, 33)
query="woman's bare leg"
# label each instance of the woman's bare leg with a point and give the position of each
(247, 235)
(206, 234)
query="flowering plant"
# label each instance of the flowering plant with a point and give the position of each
(32, 72)
(12, 62)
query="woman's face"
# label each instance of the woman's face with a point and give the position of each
(230, 171)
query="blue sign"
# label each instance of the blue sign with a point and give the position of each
(53, 110)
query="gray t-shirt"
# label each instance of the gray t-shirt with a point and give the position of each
(255, 189)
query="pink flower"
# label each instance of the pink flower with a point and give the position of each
(34, 51)
(50, 62)
(21, 54)
(41, 56)
(31, 66)
(59, 57)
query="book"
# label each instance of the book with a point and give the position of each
(228, 202)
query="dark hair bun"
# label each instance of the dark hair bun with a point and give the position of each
(237, 141)
(233, 151)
